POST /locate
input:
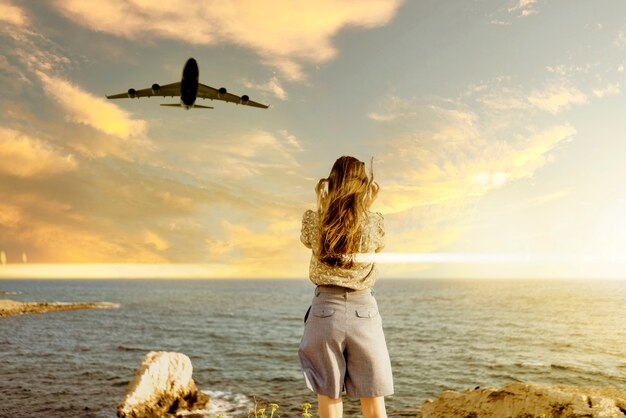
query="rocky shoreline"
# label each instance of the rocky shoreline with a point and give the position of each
(11, 307)
(163, 387)
(528, 401)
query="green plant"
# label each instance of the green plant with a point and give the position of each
(273, 407)
(260, 412)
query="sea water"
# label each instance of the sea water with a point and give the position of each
(242, 337)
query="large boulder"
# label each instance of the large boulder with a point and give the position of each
(161, 386)
(520, 400)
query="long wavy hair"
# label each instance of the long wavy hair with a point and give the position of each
(342, 201)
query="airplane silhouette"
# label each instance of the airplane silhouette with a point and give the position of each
(189, 89)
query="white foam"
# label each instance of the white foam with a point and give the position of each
(230, 405)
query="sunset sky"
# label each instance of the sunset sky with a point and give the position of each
(497, 127)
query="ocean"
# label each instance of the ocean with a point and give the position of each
(242, 337)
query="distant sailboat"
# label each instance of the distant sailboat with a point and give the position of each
(3, 258)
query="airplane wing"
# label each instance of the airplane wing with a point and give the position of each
(168, 90)
(207, 92)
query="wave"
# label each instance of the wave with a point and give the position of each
(229, 404)
(131, 349)
(111, 305)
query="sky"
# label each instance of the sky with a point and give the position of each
(497, 129)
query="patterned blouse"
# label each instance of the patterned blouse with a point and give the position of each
(363, 274)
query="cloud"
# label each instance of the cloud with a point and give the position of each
(13, 15)
(156, 241)
(34, 59)
(251, 154)
(49, 242)
(556, 96)
(108, 211)
(500, 23)
(503, 94)
(23, 156)
(286, 35)
(568, 70)
(611, 89)
(620, 39)
(436, 161)
(525, 8)
(393, 108)
(452, 155)
(84, 108)
(250, 250)
(10, 216)
(500, 94)
(271, 86)
(31, 49)
(161, 207)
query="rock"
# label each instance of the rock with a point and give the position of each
(161, 386)
(522, 400)
(11, 307)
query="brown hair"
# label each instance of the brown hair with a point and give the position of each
(341, 209)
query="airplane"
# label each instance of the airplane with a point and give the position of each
(189, 89)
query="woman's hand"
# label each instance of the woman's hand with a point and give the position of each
(373, 193)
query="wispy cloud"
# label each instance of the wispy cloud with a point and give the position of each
(611, 89)
(557, 96)
(84, 108)
(524, 7)
(23, 156)
(500, 23)
(436, 161)
(620, 39)
(128, 200)
(271, 86)
(285, 34)
(554, 96)
(249, 250)
(393, 108)
(251, 154)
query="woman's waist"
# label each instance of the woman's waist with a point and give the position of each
(341, 290)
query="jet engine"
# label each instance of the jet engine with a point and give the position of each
(222, 90)
(132, 93)
(155, 88)
(245, 99)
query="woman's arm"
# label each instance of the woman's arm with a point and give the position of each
(380, 232)
(307, 228)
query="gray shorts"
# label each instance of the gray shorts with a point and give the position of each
(343, 345)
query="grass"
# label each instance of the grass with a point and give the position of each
(273, 407)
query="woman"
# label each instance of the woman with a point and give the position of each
(343, 346)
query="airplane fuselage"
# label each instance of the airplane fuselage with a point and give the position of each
(189, 84)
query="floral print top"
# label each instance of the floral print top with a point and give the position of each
(363, 274)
